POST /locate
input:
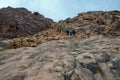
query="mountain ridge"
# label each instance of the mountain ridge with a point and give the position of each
(47, 52)
(84, 24)
(18, 22)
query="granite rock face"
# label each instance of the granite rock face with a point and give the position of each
(93, 53)
(85, 25)
(93, 23)
(94, 58)
(17, 22)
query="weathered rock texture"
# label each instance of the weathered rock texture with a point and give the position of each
(20, 22)
(92, 54)
(32, 41)
(85, 24)
(95, 58)
(17, 22)
(93, 23)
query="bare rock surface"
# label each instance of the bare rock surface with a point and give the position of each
(17, 22)
(93, 53)
(94, 58)
(106, 23)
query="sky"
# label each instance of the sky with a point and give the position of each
(62, 9)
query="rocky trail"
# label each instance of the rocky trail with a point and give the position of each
(94, 58)
(33, 47)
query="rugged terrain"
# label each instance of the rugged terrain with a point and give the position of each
(94, 23)
(94, 58)
(85, 24)
(43, 51)
(17, 22)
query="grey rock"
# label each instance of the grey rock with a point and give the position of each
(50, 61)
(108, 75)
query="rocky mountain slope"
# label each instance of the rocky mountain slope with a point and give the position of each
(86, 24)
(17, 22)
(94, 58)
(33, 47)
(93, 23)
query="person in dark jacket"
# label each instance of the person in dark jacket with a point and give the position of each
(70, 32)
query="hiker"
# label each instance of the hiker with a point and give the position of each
(70, 32)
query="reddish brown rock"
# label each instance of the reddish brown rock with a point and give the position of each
(93, 23)
(17, 22)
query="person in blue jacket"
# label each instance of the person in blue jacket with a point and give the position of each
(70, 32)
